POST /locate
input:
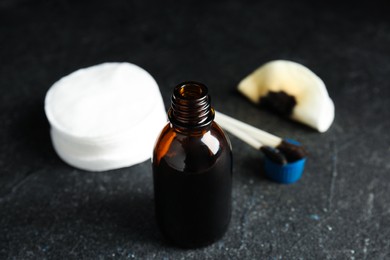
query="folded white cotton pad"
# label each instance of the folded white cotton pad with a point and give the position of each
(105, 117)
(286, 81)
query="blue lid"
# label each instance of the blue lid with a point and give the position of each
(287, 173)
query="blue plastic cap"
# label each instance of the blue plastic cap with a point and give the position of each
(288, 173)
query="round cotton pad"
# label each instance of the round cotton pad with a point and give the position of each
(106, 116)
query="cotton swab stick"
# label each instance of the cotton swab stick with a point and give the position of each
(258, 134)
(260, 139)
(239, 133)
(272, 153)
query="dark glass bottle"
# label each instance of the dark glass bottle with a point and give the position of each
(192, 171)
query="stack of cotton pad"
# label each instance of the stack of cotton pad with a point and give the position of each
(105, 117)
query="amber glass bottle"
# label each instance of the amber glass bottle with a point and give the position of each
(192, 171)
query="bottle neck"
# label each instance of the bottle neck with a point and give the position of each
(190, 107)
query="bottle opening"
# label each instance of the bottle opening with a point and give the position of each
(191, 90)
(190, 107)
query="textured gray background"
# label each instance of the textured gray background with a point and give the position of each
(340, 209)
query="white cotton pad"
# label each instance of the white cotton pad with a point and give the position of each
(313, 105)
(105, 117)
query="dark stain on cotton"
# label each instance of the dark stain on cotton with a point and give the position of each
(278, 102)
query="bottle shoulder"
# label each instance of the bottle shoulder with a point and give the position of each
(191, 150)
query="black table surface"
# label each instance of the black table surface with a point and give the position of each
(339, 209)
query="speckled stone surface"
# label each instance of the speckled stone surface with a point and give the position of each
(340, 209)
